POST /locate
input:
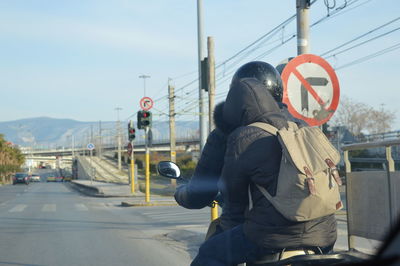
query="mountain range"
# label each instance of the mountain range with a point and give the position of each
(46, 132)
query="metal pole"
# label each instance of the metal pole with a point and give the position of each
(119, 148)
(119, 138)
(211, 104)
(302, 8)
(391, 188)
(211, 85)
(202, 111)
(73, 146)
(172, 131)
(91, 168)
(147, 200)
(350, 238)
(132, 170)
(100, 141)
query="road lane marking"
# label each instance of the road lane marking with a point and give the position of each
(49, 208)
(81, 207)
(18, 208)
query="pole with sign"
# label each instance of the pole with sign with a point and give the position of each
(90, 147)
(147, 161)
(146, 103)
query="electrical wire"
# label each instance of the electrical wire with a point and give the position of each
(362, 43)
(370, 56)
(361, 36)
(222, 77)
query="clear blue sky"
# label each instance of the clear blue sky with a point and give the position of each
(81, 59)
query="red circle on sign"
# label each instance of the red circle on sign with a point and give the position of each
(146, 103)
(291, 68)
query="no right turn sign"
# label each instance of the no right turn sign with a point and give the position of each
(311, 89)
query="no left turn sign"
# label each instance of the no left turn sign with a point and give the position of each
(311, 89)
(146, 103)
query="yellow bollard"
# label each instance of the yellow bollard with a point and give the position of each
(132, 175)
(214, 211)
(147, 176)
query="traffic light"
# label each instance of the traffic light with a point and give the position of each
(144, 119)
(131, 131)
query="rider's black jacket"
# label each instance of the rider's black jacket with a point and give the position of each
(202, 187)
(253, 157)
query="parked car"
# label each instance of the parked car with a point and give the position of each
(21, 178)
(35, 178)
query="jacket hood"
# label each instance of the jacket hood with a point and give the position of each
(219, 120)
(249, 101)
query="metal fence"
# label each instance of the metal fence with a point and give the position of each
(373, 199)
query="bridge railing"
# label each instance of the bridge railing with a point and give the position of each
(373, 198)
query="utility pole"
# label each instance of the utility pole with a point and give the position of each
(144, 77)
(172, 131)
(303, 43)
(119, 138)
(211, 103)
(211, 82)
(303, 27)
(202, 109)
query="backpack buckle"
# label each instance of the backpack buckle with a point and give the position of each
(334, 171)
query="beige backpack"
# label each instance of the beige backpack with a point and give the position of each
(308, 181)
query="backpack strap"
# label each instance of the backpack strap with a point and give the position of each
(267, 127)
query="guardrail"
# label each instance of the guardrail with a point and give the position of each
(373, 199)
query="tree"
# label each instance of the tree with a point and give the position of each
(11, 159)
(359, 117)
(380, 121)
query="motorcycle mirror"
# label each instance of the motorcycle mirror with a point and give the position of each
(169, 169)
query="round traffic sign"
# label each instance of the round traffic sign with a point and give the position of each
(146, 103)
(90, 146)
(311, 89)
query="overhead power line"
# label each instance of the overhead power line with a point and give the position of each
(362, 35)
(364, 42)
(222, 77)
(370, 56)
(259, 39)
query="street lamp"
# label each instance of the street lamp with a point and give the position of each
(144, 77)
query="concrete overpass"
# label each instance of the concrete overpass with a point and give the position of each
(160, 145)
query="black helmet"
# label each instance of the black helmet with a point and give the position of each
(265, 73)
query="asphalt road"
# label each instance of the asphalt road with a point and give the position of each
(51, 224)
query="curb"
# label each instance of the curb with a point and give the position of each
(148, 204)
(88, 190)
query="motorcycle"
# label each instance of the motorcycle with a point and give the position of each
(389, 254)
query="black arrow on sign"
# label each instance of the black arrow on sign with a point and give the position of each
(304, 92)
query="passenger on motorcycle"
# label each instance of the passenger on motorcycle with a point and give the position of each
(252, 157)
